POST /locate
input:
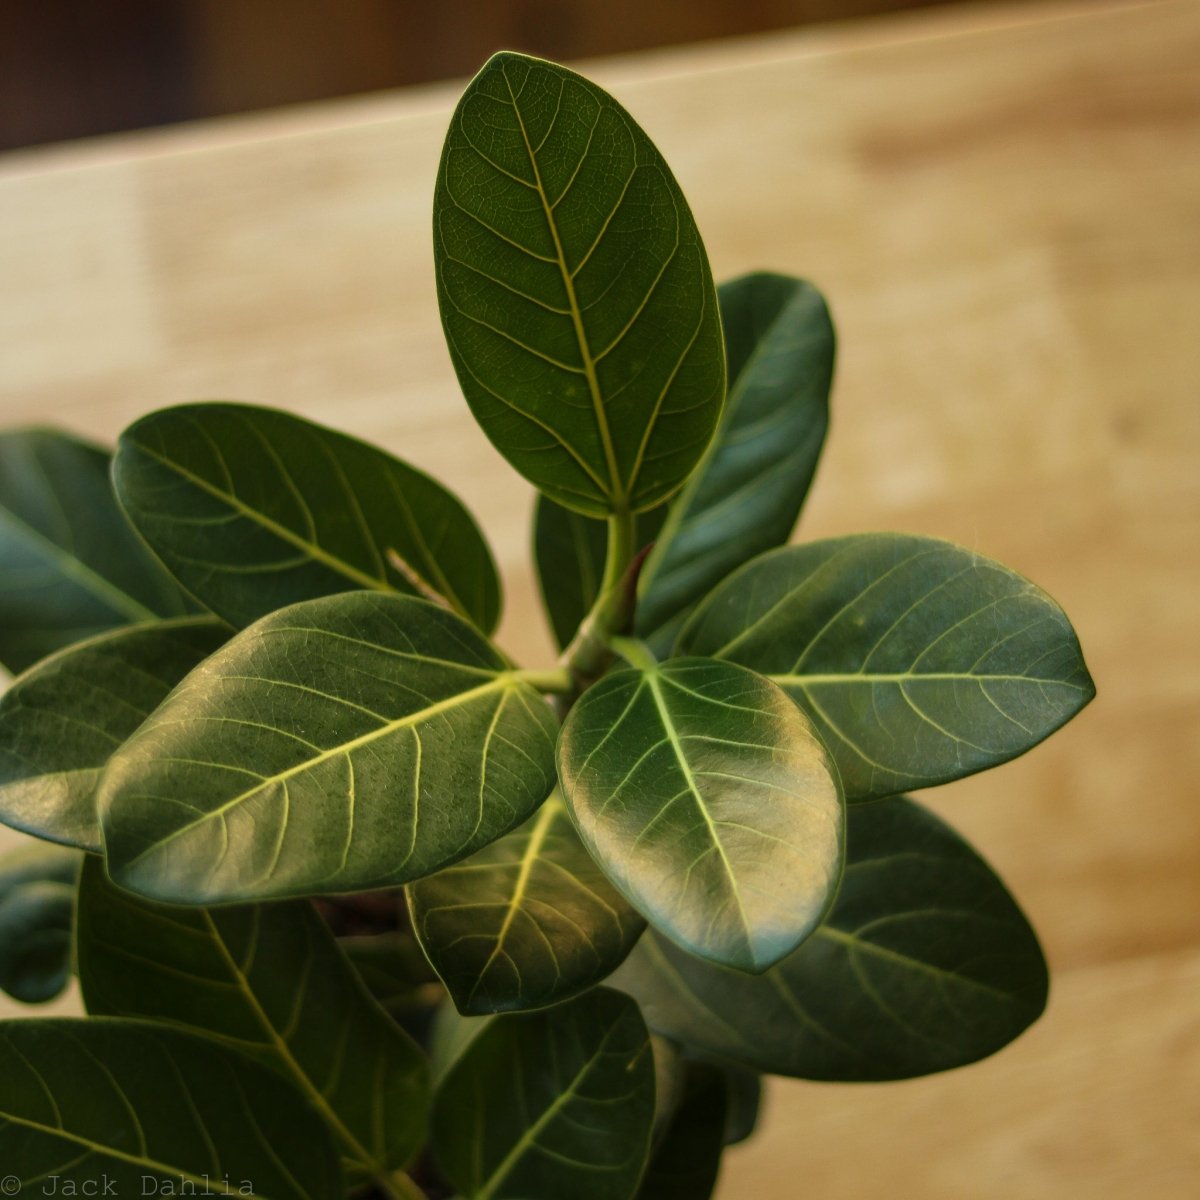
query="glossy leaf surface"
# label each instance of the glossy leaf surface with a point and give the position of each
(551, 1104)
(70, 566)
(61, 721)
(917, 660)
(141, 1106)
(685, 1163)
(346, 743)
(702, 790)
(746, 495)
(37, 913)
(527, 921)
(270, 980)
(575, 292)
(925, 963)
(253, 509)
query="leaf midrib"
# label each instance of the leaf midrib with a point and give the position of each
(505, 681)
(653, 680)
(616, 497)
(791, 680)
(312, 549)
(90, 580)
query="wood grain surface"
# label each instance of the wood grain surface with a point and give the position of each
(1003, 206)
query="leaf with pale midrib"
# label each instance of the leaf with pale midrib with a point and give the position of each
(252, 509)
(574, 289)
(925, 963)
(544, 1105)
(269, 980)
(746, 493)
(70, 565)
(140, 1106)
(341, 744)
(918, 661)
(63, 719)
(528, 921)
(710, 803)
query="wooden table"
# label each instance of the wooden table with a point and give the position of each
(1003, 205)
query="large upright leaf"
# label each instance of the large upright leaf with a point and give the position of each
(925, 963)
(134, 1106)
(527, 921)
(919, 661)
(574, 288)
(744, 496)
(270, 980)
(703, 792)
(345, 743)
(70, 566)
(62, 720)
(252, 509)
(37, 913)
(550, 1104)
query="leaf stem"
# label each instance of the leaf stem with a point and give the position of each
(400, 1186)
(554, 680)
(635, 652)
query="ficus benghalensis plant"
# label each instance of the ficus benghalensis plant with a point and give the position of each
(360, 906)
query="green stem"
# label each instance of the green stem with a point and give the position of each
(557, 681)
(400, 1187)
(590, 652)
(636, 653)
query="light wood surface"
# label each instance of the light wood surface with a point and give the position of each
(1003, 205)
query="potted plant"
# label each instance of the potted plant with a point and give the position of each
(358, 905)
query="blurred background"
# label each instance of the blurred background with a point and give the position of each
(74, 68)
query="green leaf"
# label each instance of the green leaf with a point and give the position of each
(270, 980)
(746, 495)
(394, 970)
(345, 743)
(569, 550)
(140, 1106)
(551, 1104)
(917, 660)
(527, 921)
(685, 1164)
(253, 509)
(925, 963)
(575, 292)
(70, 565)
(61, 721)
(704, 794)
(37, 910)
(744, 1089)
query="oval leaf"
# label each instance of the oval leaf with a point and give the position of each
(575, 292)
(527, 921)
(252, 509)
(62, 720)
(918, 661)
(139, 1106)
(550, 1104)
(703, 792)
(270, 980)
(37, 912)
(926, 963)
(71, 565)
(745, 496)
(351, 742)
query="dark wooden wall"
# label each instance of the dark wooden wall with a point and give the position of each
(73, 68)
